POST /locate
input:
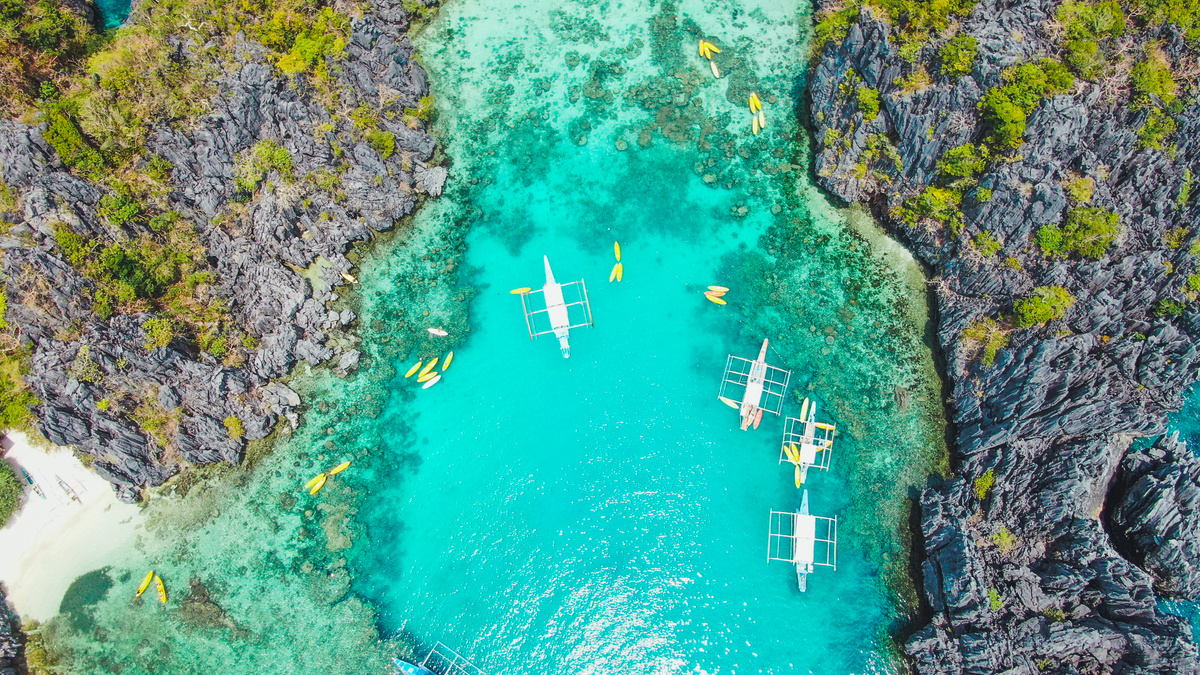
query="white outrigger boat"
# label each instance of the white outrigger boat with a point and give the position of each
(441, 660)
(764, 387)
(557, 310)
(805, 540)
(807, 442)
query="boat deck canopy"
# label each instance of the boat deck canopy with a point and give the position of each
(804, 539)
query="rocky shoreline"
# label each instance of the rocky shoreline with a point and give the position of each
(277, 257)
(1049, 548)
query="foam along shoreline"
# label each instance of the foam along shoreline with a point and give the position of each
(50, 542)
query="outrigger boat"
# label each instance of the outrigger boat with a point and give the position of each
(67, 489)
(764, 386)
(441, 660)
(807, 442)
(805, 540)
(29, 479)
(558, 309)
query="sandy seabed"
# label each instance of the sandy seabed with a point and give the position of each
(55, 539)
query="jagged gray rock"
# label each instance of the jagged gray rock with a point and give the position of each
(1153, 515)
(1055, 414)
(95, 377)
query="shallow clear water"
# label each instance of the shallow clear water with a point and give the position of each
(600, 514)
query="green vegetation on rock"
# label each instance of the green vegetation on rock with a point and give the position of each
(1004, 540)
(987, 245)
(1158, 128)
(1152, 80)
(254, 164)
(1089, 27)
(1169, 308)
(958, 55)
(920, 20)
(939, 204)
(1080, 189)
(832, 26)
(868, 102)
(984, 483)
(11, 490)
(1006, 108)
(234, 426)
(987, 336)
(159, 333)
(1047, 304)
(1088, 232)
(965, 161)
(40, 39)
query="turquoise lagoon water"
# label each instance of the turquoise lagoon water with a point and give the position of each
(113, 11)
(601, 514)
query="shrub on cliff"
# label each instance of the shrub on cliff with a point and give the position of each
(159, 333)
(39, 41)
(264, 157)
(1168, 308)
(1088, 232)
(832, 26)
(305, 43)
(919, 19)
(958, 55)
(964, 161)
(1047, 304)
(939, 204)
(1087, 25)
(1182, 13)
(987, 336)
(1152, 80)
(1156, 130)
(987, 244)
(868, 102)
(63, 134)
(11, 490)
(136, 82)
(1006, 108)
(235, 428)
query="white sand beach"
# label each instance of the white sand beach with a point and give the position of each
(53, 540)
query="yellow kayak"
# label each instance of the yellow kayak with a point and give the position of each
(520, 291)
(145, 584)
(620, 271)
(711, 47)
(795, 452)
(613, 274)
(339, 468)
(413, 369)
(316, 487)
(762, 120)
(428, 376)
(799, 476)
(435, 380)
(349, 277)
(716, 300)
(729, 402)
(702, 49)
(428, 367)
(617, 250)
(754, 125)
(446, 363)
(161, 588)
(319, 478)
(716, 73)
(719, 289)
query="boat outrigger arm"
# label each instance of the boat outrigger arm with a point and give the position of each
(558, 309)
